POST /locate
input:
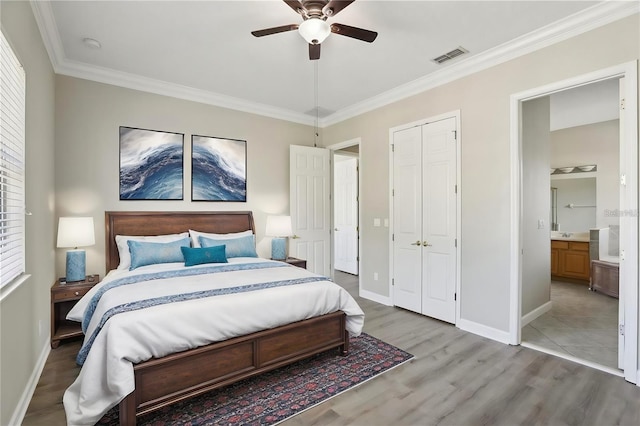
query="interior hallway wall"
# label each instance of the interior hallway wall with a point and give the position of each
(536, 204)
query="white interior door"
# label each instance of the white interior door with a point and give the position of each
(309, 186)
(439, 219)
(407, 219)
(345, 171)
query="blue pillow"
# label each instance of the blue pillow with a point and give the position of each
(198, 256)
(236, 247)
(144, 253)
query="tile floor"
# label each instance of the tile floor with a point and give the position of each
(581, 323)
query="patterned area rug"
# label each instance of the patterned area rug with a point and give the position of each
(275, 396)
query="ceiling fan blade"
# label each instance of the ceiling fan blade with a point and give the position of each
(275, 30)
(294, 4)
(354, 32)
(314, 51)
(334, 6)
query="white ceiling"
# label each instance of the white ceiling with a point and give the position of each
(203, 50)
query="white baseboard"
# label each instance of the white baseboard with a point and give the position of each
(384, 300)
(484, 331)
(21, 409)
(539, 311)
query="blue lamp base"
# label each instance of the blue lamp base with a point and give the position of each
(279, 248)
(76, 266)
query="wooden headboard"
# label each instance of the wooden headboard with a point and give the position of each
(160, 223)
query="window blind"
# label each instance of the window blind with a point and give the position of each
(12, 170)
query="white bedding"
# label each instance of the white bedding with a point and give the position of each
(131, 337)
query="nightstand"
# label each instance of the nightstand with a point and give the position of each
(300, 263)
(63, 298)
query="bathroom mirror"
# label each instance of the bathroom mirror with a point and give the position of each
(573, 203)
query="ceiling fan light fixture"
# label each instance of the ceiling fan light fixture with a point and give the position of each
(314, 30)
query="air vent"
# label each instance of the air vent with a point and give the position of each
(450, 55)
(322, 112)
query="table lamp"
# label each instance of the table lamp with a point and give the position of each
(76, 232)
(279, 227)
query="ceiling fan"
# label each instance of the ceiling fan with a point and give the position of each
(315, 28)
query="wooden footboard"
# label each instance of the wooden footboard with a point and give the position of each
(164, 381)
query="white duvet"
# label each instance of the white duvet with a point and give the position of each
(131, 337)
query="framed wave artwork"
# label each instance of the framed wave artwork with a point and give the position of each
(151, 164)
(218, 169)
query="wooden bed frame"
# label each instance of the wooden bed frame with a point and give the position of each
(176, 377)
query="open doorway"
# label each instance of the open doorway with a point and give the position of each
(345, 216)
(532, 258)
(345, 211)
(581, 148)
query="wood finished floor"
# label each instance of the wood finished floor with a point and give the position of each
(456, 378)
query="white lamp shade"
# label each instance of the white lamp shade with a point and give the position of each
(279, 226)
(76, 232)
(314, 30)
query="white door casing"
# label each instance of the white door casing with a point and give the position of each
(309, 176)
(622, 296)
(346, 213)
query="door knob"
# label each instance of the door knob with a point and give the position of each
(294, 237)
(417, 243)
(335, 229)
(426, 244)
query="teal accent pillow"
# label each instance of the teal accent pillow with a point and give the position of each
(236, 247)
(198, 256)
(143, 253)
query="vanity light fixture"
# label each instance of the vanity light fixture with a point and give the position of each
(574, 169)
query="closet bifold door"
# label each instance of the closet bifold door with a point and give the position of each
(407, 219)
(424, 219)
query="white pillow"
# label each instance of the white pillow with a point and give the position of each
(123, 246)
(195, 241)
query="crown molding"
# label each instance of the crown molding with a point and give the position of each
(45, 20)
(578, 23)
(43, 14)
(571, 26)
(160, 87)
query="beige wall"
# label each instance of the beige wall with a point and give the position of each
(536, 204)
(599, 144)
(24, 313)
(483, 99)
(88, 116)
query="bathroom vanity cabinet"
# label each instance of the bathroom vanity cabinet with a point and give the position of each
(570, 261)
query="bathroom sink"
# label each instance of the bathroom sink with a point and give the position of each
(569, 236)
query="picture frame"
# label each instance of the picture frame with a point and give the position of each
(151, 164)
(218, 169)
